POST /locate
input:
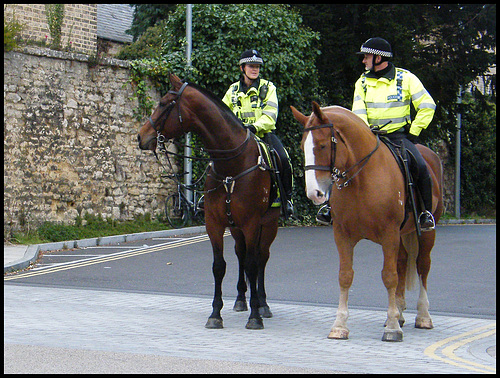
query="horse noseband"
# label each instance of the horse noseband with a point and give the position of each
(334, 149)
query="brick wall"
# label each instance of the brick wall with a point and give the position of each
(79, 26)
(70, 142)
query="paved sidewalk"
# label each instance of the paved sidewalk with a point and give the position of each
(91, 331)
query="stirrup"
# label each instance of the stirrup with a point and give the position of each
(324, 216)
(290, 210)
(200, 206)
(426, 221)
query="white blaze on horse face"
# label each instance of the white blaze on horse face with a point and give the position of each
(313, 190)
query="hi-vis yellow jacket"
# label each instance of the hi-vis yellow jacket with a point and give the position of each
(388, 98)
(257, 106)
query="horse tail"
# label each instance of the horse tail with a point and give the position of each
(410, 243)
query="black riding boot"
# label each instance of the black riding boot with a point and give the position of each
(426, 219)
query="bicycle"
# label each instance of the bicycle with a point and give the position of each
(180, 210)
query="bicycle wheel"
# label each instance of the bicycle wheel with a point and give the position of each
(176, 211)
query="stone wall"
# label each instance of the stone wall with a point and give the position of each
(79, 29)
(70, 141)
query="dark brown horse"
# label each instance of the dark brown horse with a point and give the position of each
(347, 164)
(238, 189)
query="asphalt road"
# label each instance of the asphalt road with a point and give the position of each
(302, 269)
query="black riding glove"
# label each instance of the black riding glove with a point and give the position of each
(251, 128)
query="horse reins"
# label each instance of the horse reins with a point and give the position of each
(336, 173)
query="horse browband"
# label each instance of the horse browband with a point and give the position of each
(170, 106)
(336, 173)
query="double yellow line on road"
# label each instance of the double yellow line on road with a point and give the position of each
(448, 346)
(116, 256)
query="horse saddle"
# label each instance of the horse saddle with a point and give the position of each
(407, 172)
(273, 162)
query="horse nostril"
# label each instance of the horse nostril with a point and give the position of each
(319, 193)
(138, 138)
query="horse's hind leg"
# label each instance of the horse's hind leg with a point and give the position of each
(423, 319)
(390, 248)
(240, 249)
(401, 289)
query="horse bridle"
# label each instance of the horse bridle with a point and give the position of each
(337, 174)
(168, 109)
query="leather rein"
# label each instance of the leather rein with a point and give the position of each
(340, 178)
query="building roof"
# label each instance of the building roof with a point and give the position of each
(113, 20)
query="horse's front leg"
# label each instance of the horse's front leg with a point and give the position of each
(252, 269)
(346, 274)
(268, 234)
(219, 270)
(240, 250)
(390, 248)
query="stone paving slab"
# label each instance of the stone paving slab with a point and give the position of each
(173, 326)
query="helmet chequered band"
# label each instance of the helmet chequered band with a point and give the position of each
(367, 50)
(252, 59)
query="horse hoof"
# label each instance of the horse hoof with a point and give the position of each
(240, 306)
(255, 324)
(424, 323)
(393, 336)
(339, 334)
(214, 323)
(265, 312)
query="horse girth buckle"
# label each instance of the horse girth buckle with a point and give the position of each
(229, 184)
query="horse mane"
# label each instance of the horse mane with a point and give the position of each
(227, 113)
(346, 115)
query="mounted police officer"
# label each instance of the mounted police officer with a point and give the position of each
(255, 102)
(382, 98)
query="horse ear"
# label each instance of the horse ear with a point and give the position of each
(299, 116)
(174, 79)
(318, 112)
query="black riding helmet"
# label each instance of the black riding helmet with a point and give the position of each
(251, 56)
(376, 46)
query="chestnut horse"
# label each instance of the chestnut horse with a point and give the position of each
(347, 164)
(238, 189)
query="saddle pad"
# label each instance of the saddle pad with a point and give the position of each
(274, 198)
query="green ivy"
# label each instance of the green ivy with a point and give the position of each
(55, 18)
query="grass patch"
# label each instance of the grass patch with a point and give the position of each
(91, 226)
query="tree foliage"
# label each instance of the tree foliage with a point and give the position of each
(308, 52)
(445, 45)
(147, 15)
